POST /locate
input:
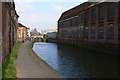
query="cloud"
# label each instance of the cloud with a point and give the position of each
(58, 7)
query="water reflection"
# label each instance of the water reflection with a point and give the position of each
(48, 52)
(77, 63)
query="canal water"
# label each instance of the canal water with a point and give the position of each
(74, 62)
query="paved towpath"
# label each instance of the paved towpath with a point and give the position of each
(29, 65)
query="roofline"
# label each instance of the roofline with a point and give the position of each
(22, 26)
(74, 8)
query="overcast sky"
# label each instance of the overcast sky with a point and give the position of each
(43, 14)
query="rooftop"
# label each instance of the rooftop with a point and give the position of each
(21, 25)
(75, 10)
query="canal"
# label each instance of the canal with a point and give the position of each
(74, 62)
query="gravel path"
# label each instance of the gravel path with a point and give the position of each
(29, 65)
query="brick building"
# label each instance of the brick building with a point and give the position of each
(92, 24)
(0, 34)
(8, 28)
(22, 32)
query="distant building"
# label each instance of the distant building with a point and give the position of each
(8, 27)
(51, 35)
(22, 32)
(91, 23)
(49, 31)
(35, 34)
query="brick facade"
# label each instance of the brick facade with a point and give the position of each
(0, 34)
(9, 27)
(22, 32)
(93, 24)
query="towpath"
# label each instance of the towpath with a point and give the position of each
(29, 65)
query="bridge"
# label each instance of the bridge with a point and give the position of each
(37, 38)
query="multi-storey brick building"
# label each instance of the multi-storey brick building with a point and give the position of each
(22, 32)
(8, 28)
(92, 24)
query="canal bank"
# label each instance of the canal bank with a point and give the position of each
(29, 65)
(93, 47)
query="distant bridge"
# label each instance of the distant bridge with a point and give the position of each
(37, 38)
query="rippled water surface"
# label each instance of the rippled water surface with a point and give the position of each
(74, 62)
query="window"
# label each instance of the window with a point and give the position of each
(82, 31)
(60, 24)
(74, 33)
(68, 22)
(100, 32)
(111, 9)
(73, 21)
(110, 31)
(101, 12)
(63, 24)
(69, 34)
(63, 34)
(82, 18)
(93, 14)
(77, 32)
(86, 32)
(93, 32)
(119, 32)
(77, 21)
(87, 17)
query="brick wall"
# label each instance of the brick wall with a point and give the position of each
(5, 30)
(0, 33)
(9, 26)
(114, 42)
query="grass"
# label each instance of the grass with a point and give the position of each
(0, 73)
(9, 67)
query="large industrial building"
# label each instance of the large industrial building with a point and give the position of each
(92, 24)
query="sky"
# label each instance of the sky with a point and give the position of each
(43, 14)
